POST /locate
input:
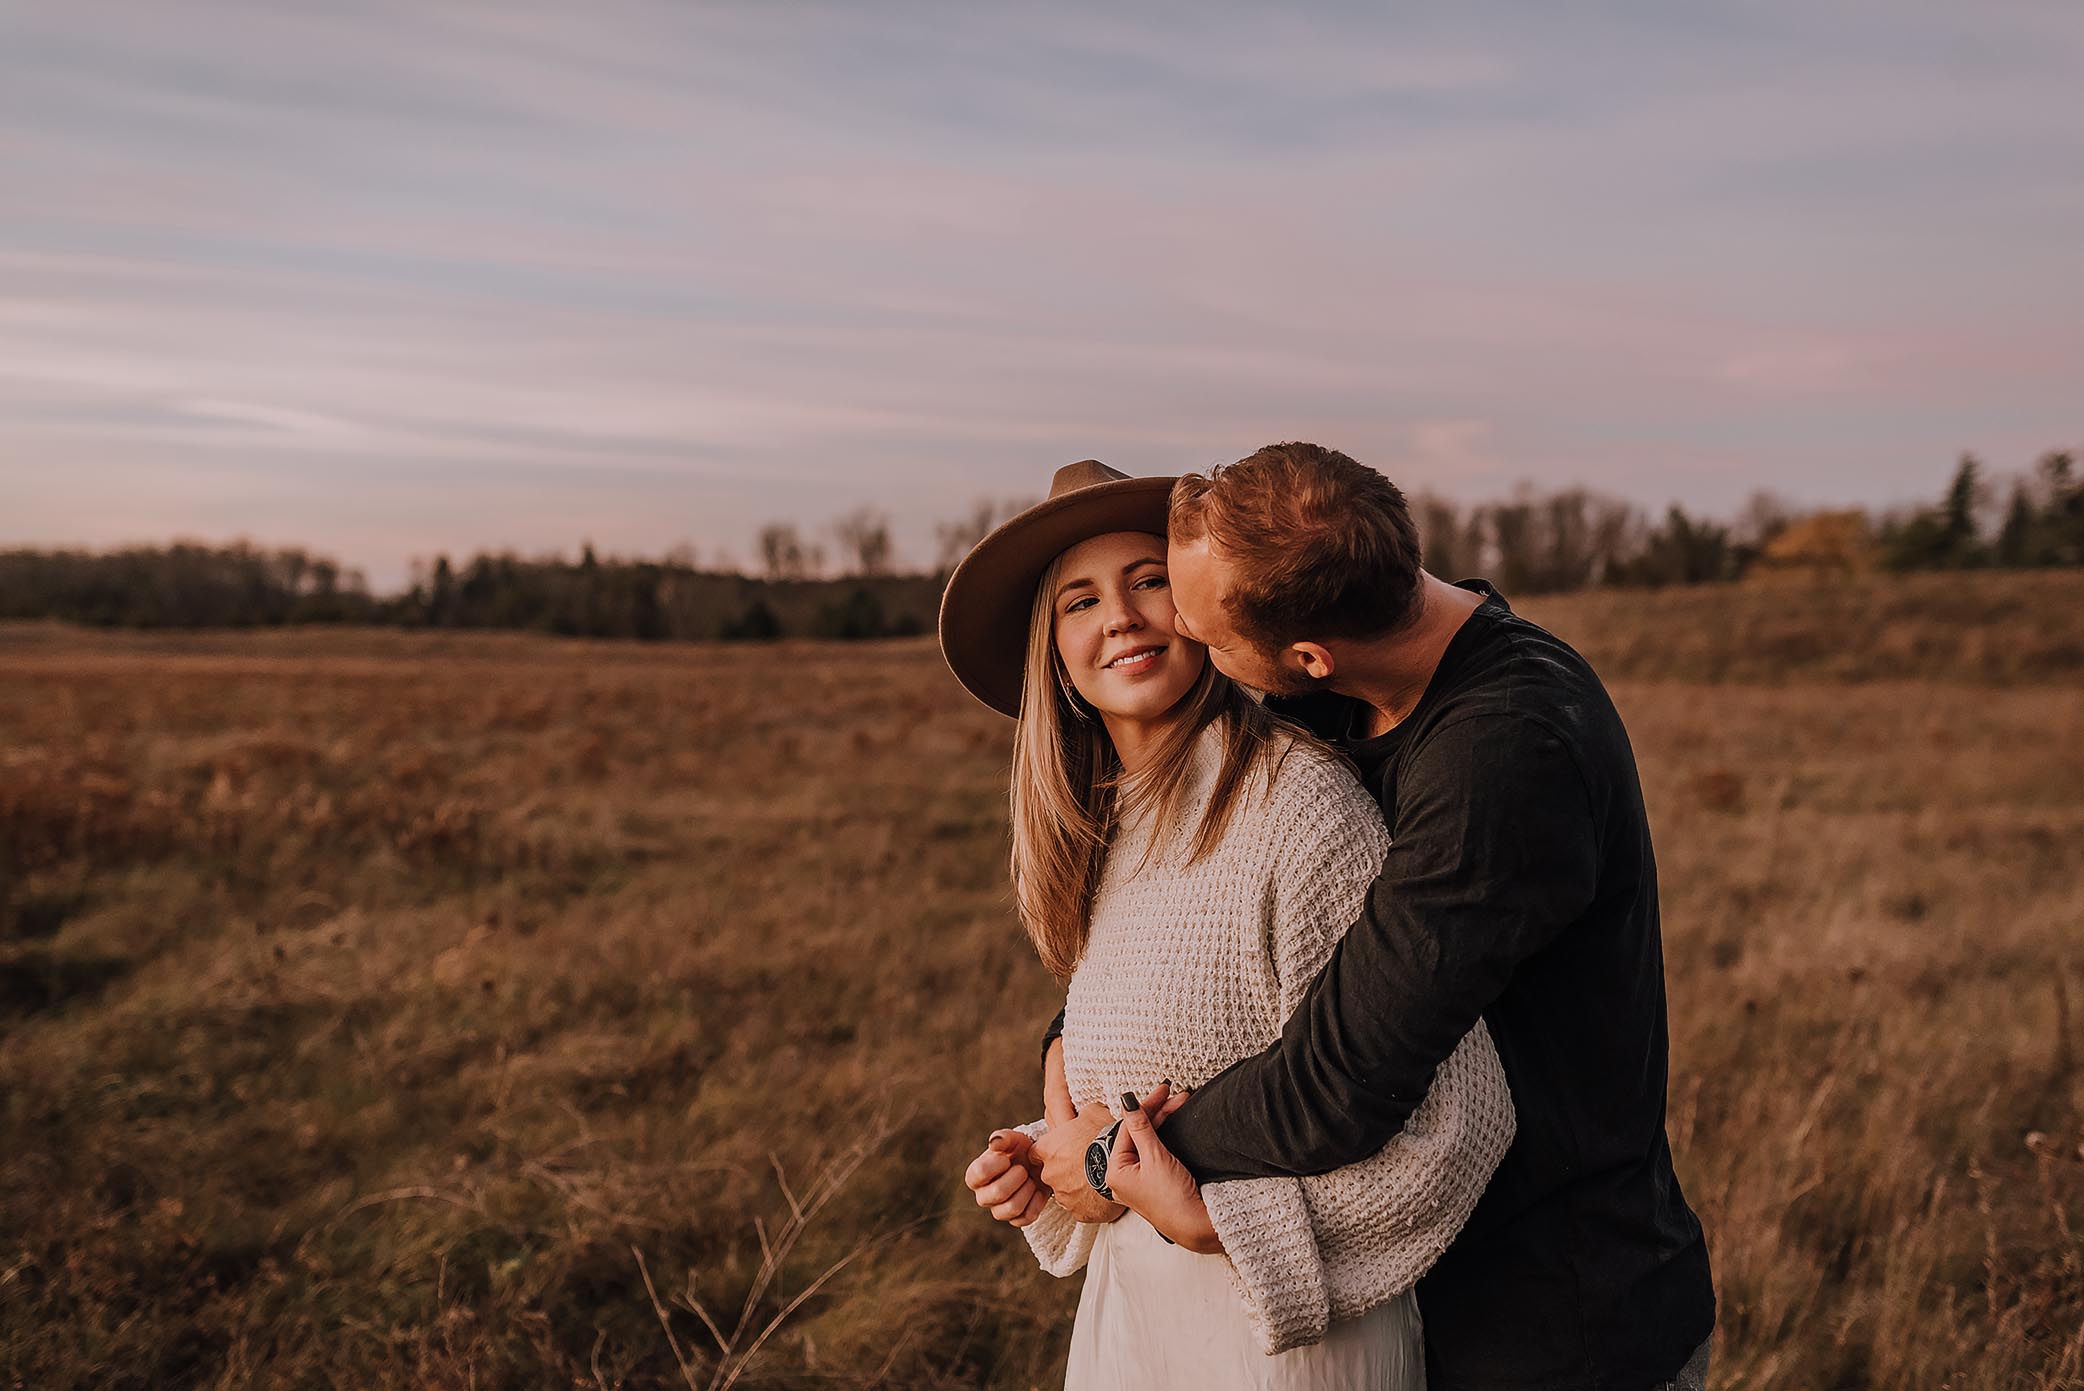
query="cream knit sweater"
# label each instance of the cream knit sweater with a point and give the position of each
(1189, 968)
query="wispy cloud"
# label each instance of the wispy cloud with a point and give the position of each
(407, 276)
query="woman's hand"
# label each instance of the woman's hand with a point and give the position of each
(1007, 1180)
(1152, 1182)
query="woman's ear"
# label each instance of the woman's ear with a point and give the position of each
(1080, 707)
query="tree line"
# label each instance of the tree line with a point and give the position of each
(1531, 542)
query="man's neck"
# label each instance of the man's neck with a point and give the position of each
(1390, 674)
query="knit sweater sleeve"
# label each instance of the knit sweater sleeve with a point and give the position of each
(1332, 1246)
(1061, 1243)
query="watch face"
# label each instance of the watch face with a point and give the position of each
(1096, 1156)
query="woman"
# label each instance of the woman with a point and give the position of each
(1187, 862)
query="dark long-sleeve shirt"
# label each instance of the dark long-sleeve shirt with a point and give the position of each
(1519, 887)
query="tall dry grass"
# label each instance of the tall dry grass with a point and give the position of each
(484, 1011)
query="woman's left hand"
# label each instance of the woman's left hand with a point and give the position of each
(1151, 1182)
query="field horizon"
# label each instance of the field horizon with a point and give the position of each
(481, 1009)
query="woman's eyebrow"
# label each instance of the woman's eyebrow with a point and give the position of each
(1068, 585)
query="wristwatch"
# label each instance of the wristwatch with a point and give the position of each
(1096, 1156)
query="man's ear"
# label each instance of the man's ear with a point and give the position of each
(1315, 661)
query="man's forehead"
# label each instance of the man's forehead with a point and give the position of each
(1203, 568)
(1198, 555)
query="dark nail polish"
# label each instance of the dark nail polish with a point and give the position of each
(1129, 1102)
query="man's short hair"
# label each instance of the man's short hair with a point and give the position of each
(1320, 546)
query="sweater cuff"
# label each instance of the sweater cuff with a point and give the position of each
(1265, 1228)
(1061, 1242)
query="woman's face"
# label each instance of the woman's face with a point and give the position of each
(1113, 616)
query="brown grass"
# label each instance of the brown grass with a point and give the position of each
(382, 1009)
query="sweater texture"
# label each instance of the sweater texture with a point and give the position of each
(1190, 967)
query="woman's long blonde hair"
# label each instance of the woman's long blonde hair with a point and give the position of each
(1069, 792)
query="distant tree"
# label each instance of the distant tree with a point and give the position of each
(757, 623)
(441, 594)
(2062, 508)
(1958, 513)
(2019, 535)
(1544, 543)
(645, 606)
(955, 539)
(1587, 535)
(1681, 550)
(783, 553)
(1448, 544)
(864, 541)
(1511, 527)
(1943, 537)
(1618, 536)
(184, 585)
(858, 615)
(1764, 516)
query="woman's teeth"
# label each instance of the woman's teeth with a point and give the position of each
(1134, 659)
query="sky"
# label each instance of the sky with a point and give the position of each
(387, 279)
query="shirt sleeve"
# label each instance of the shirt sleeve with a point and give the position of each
(1306, 1251)
(1051, 1034)
(1492, 853)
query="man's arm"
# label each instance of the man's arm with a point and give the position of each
(1051, 1034)
(1494, 851)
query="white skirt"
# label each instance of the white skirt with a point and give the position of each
(1155, 1316)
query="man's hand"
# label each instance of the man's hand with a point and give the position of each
(1062, 1154)
(1005, 1179)
(1156, 1186)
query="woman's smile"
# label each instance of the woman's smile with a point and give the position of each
(1137, 660)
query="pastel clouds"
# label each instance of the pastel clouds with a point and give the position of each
(395, 278)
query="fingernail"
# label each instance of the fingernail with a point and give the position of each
(1129, 1102)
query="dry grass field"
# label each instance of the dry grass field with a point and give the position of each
(486, 1011)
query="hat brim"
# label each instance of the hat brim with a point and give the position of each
(989, 599)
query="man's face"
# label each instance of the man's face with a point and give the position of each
(1200, 579)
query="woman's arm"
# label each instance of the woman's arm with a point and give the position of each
(1333, 1246)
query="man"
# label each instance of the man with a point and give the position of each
(1520, 887)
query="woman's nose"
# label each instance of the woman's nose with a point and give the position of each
(1122, 617)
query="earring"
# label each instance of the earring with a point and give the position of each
(1071, 696)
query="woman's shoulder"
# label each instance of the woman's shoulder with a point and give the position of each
(1302, 772)
(1315, 807)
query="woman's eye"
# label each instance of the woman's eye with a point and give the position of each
(1077, 604)
(1149, 580)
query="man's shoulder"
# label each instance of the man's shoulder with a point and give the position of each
(1511, 670)
(1518, 695)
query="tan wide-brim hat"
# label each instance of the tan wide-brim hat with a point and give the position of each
(989, 599)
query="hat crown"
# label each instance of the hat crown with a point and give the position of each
(1086, 473)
